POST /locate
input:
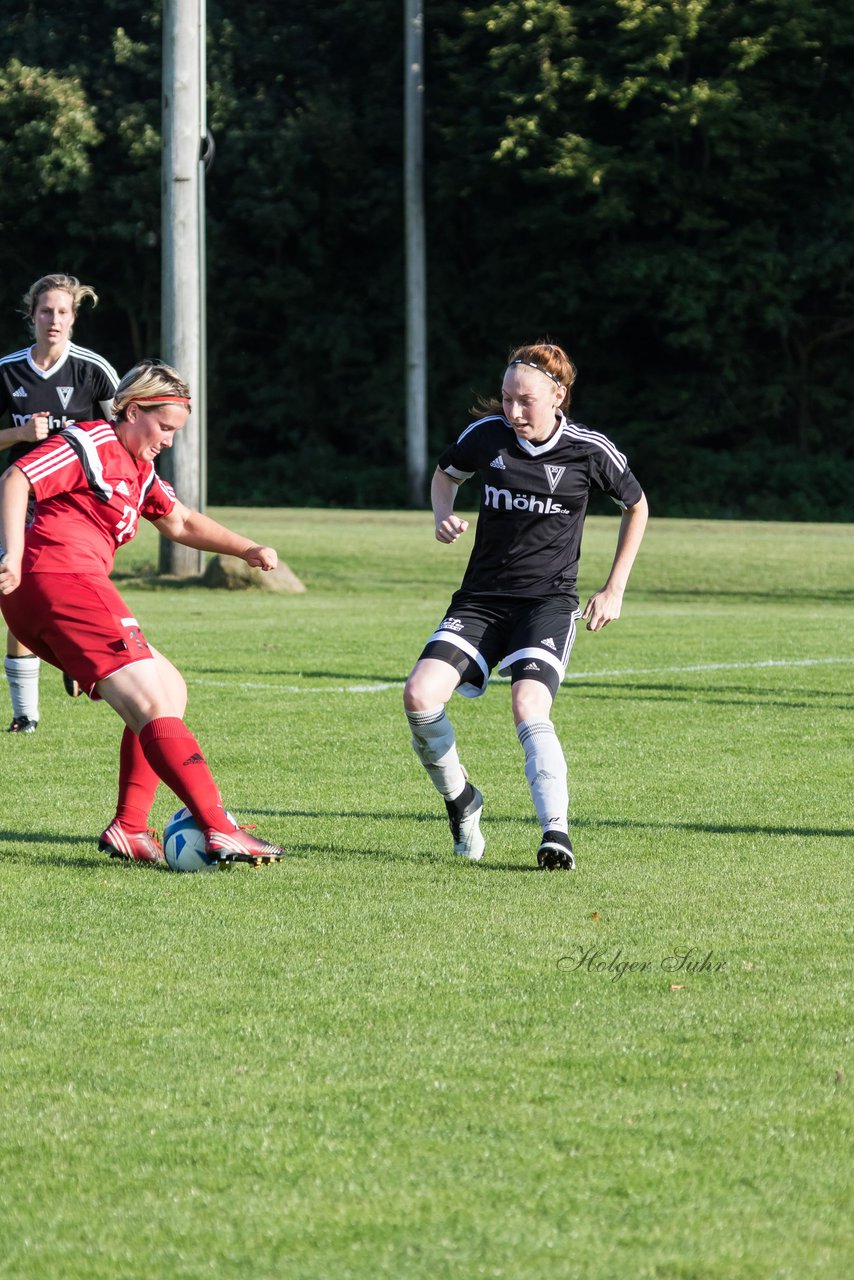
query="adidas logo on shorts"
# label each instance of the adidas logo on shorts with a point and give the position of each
(548, 643)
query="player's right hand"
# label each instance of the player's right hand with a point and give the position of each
(10, 576)
(449, 529)
(37, 427)
(261, 558)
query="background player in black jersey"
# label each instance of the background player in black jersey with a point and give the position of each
(45, 387)
(517, 606)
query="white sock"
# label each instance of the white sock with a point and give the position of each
(434, 743)
(23, 677)
(545, 769)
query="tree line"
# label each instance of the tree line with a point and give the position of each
(663, 188)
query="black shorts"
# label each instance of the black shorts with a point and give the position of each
(529, 639)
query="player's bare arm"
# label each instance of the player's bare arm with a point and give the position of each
(37, 427)
(605, 605)
(443, 492)
(14, 495)
(192, 529)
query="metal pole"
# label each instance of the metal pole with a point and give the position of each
(205, 159)
(181, 325)
(416, 325)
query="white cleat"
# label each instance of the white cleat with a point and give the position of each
(465, 828)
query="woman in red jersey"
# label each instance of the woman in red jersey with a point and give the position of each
(92, 481)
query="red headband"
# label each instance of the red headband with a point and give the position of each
(161, 400)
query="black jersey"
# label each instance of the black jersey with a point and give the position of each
(533, 501)
(78, 388)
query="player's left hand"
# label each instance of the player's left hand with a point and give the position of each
(604, 606)
(261, 558)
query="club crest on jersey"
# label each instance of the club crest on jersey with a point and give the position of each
(498, 463)
(553, 475)
(64, 394)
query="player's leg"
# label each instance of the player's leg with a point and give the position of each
(72, 688)
(545, 769)
(128, 836)
(537, 663)
(22, 674)
(153, 688)
(457, 657)
(150, 696)
(428, 689)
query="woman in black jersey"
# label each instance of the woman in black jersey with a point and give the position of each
(44, 388)
(517, 606)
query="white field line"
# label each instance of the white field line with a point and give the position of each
(571, 675)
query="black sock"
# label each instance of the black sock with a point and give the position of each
(459, 802)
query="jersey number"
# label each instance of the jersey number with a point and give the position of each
(126, 527)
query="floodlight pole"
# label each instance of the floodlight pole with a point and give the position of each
(182, 207)
(416, 324)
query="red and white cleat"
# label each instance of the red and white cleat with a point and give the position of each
(131, 846)
(241, 846)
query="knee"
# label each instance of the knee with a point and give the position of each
(413, 695)
(420, 692)
(180, 695)
(172, 693)
(531, 703)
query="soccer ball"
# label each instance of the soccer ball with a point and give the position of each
(184, 844)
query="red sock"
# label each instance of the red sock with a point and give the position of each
(176, 757)
(137, 785)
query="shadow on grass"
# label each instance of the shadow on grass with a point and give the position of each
(722, 695)
(839, 595)
(627, 824)
(146, 577)
(714, 828)
(48, 842)
(302, 674)
(100, 861)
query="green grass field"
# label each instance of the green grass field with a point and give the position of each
(374, 1060)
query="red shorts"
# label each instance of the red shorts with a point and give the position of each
(77, 622)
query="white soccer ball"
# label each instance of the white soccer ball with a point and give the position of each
(184, 844)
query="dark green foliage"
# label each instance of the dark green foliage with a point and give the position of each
(101, 65)
(664, 188)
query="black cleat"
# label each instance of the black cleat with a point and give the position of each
(23, 724)
(555, 852)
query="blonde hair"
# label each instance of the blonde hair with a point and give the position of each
(150, 381)
(550, 359)
(68, 284)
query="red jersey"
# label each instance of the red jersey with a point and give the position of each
(90, 494)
